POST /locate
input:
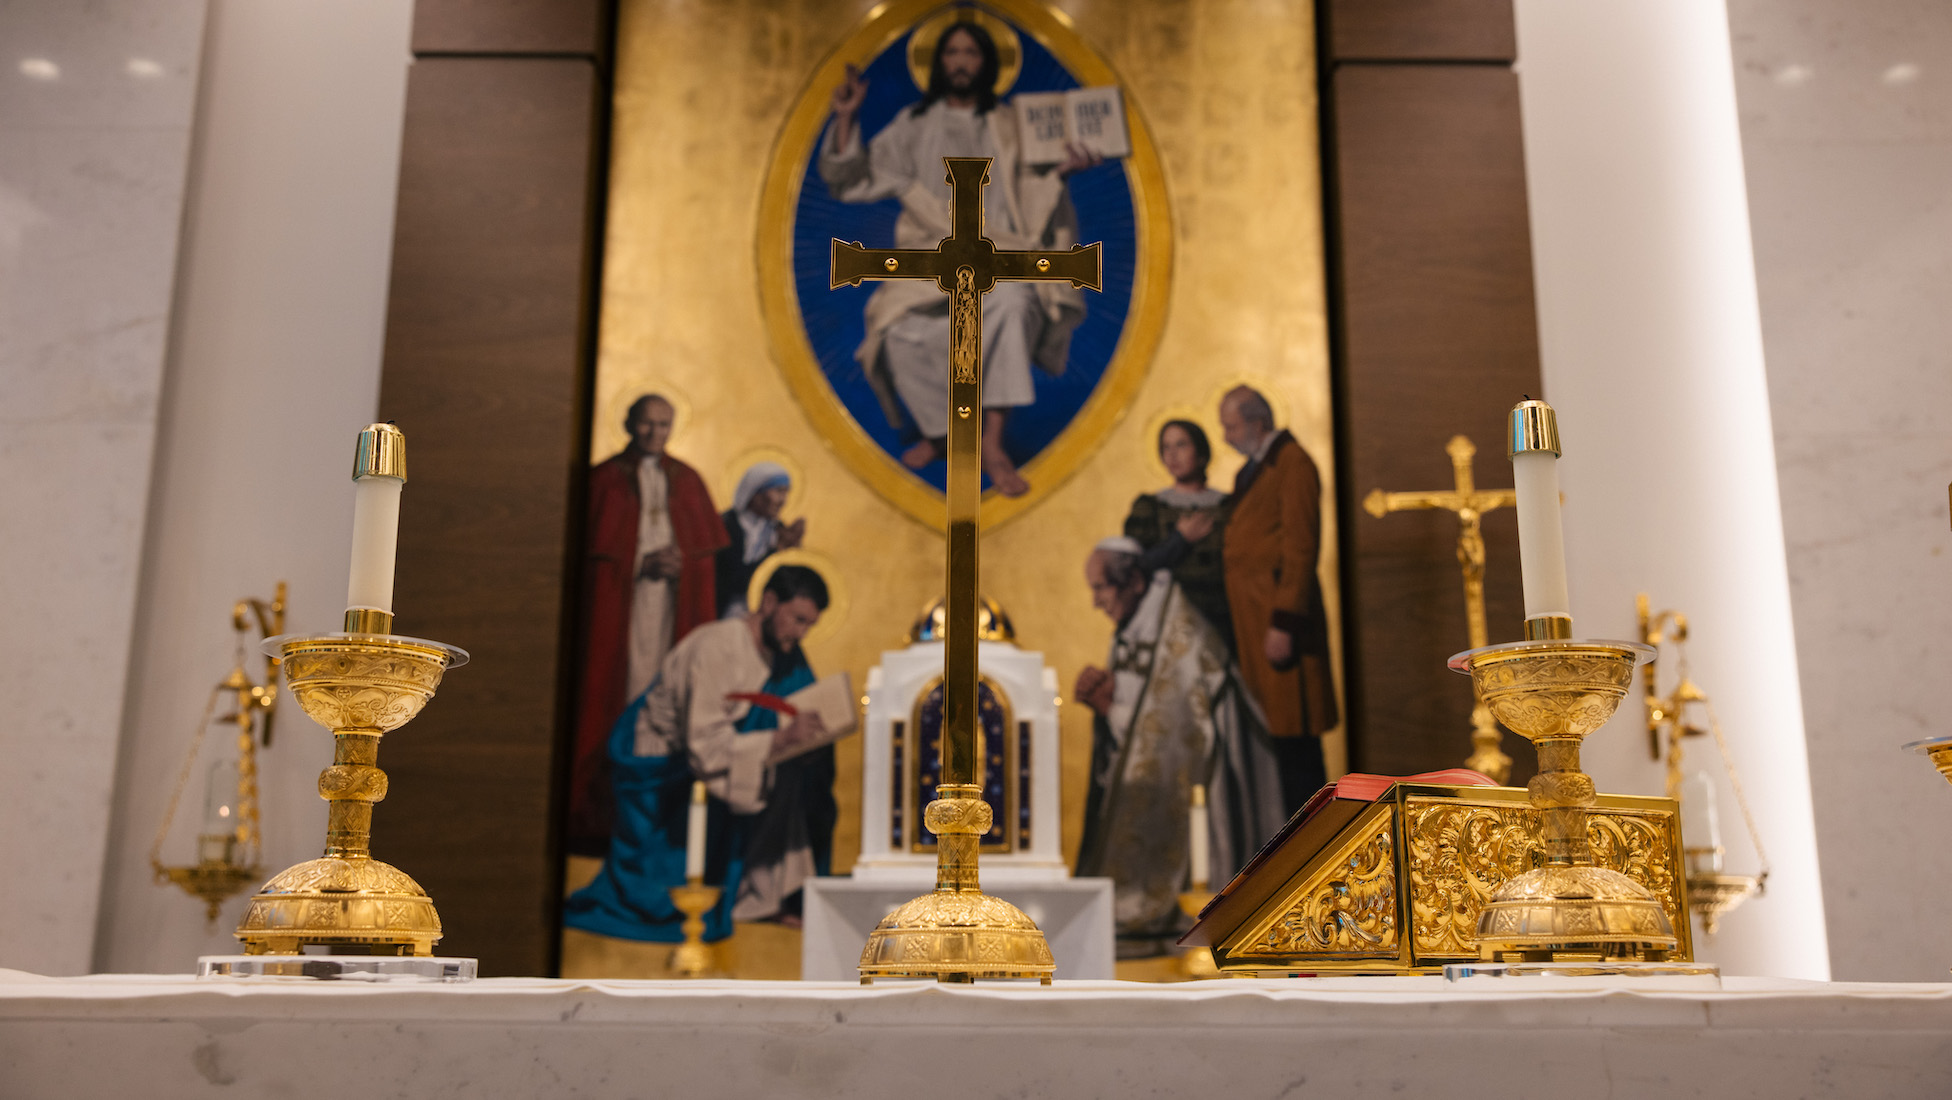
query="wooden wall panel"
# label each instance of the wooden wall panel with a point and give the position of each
(578, 28)
(1419, 30)
(486, 370)
(1435, 335)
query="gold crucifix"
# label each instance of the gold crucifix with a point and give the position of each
(933, 936)
(1470, 503)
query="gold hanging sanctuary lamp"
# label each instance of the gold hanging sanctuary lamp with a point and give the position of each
(229, 844)
(1711, 892)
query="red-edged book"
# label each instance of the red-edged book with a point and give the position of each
(1317, 822)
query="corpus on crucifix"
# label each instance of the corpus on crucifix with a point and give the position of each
(957, 933)
(1470, 503)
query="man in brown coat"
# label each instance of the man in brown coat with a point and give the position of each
(1272, 544)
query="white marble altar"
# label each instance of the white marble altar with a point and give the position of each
(894, 688)
(163, 1037)
(1075, 915)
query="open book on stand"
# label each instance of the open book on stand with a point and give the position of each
(1383, 874)
(1091, 117)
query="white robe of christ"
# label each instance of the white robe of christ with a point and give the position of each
(906, 352)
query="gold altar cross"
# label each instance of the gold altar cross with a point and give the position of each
(957, 934)
(1470, 503)
(965, 265)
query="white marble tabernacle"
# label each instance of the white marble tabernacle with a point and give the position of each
(161, 1037)
(1027, 690)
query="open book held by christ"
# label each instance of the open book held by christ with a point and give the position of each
(1090, 117)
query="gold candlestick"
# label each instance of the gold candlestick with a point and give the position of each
(694, 957)
(360, 686)
(1554, 693)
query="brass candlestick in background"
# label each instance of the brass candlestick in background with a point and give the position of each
(693, 958)
(1470, 503)
(1197, 962)
(229, 846)
(1711, 893)
(958, 933)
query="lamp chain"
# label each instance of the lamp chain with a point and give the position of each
(183, 778)
(1741, 799)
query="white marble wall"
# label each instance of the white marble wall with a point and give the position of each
(1653, 355)
(96, 103)
(279, 317)
(1847, 134)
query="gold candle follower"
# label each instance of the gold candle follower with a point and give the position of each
(382, 452)
(1534, 427)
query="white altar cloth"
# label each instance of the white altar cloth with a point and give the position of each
(159, 1037)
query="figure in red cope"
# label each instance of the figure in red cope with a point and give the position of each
(648, 580)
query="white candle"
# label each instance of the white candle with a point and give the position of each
(379, 473)
(695, 834)
(1196, 837)
(1534, 448)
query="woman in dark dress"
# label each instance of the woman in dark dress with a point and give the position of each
(1180, 525)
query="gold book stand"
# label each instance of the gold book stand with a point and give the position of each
(1396, 886)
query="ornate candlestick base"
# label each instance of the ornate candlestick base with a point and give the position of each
(1554, 693)
(694, 958)
(1197, 962)
(958, 933)
(360, 686)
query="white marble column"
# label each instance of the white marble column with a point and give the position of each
(1847, 132)
(279, 320)
(96, 103)
(1653, 355)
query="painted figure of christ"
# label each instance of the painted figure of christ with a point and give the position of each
(1025, 325)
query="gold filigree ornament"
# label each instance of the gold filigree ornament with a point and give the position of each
(361, 687)
(1554, 693)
